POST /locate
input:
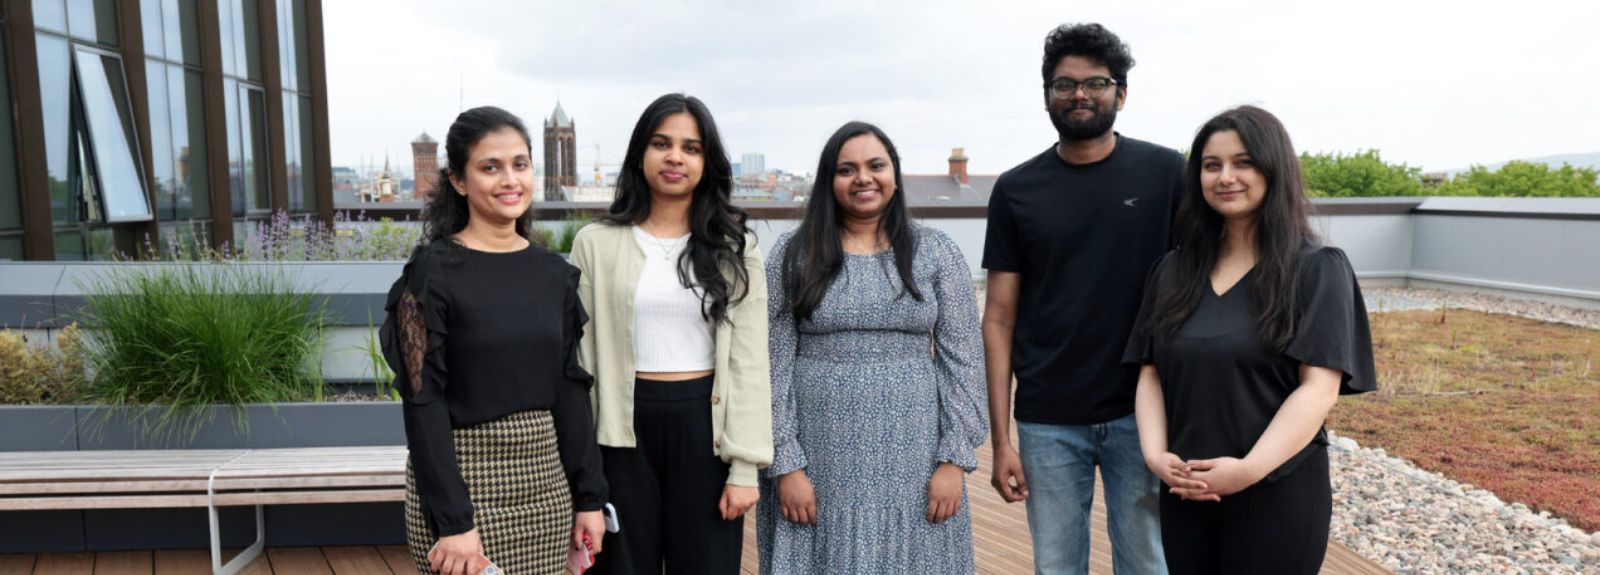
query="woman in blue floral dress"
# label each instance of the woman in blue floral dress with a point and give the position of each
(877, 380)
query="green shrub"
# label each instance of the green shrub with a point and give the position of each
(382, 376)
(40, 374)
(191, 336)
(559, 235)
(561, 242)
(1363, 174)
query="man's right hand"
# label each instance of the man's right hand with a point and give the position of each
(1007, 475)
(460, 554)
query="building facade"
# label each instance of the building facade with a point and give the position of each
(560, 154)
(753, 164)
(131, 124)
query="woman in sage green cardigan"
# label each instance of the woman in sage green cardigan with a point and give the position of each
(677, 342)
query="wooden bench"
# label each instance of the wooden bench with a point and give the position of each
(54, 480)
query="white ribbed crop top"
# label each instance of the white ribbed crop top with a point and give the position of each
(669, 332)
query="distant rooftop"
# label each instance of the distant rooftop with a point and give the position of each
(929, 189)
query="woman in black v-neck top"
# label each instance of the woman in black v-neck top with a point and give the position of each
(1249, 332)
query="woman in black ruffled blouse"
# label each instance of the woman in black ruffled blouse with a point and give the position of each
(482, 332)
(1249, 332)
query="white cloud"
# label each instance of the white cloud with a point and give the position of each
(1439, 86)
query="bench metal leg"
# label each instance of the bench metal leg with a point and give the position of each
(244, 557)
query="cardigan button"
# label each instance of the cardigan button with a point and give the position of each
(716, 399)
(717, 444)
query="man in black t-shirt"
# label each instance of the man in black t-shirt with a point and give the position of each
(1071, 235)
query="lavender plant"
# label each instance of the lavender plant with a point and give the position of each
(284, 237)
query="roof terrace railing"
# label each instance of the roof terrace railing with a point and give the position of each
(1541, 248)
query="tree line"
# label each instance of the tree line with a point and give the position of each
(1365, 174)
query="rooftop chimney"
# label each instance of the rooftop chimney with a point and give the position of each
(958, 164)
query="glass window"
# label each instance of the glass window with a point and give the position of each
(297, 145)
(291, 150)
(155, 43)
(302, 65)
(255, 150)
(11, 248)
(10, 198)
(109, 120)
(93, 20)
(102, 244)
(82, 180)
(183, 30)
(230, 107)
(285, 46)
(69, 245)
(55, 87)
(188, 144)
(225, 29)
(239, 21)
(80, 244)
(171, 30)
(247, 20)
(50, 15)
(308, 179)
(246, 111)
(292, 45)
(161, 166)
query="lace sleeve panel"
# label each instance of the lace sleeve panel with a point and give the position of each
(413, 335)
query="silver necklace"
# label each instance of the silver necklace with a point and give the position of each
(664, 245)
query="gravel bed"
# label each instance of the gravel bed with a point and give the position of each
(1416, 521)
(1399, 299)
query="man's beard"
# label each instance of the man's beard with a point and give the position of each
(1076, 130)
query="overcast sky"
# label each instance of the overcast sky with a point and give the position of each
(1438, 86)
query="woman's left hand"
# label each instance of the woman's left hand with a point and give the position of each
(1224, 475)
(736, 500)
(592, 524)
(944, 492)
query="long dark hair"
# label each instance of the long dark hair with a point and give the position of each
(446, 212)
(716, 227)
(1282, 227)
(816, 254)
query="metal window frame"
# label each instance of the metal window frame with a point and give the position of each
(81, 120)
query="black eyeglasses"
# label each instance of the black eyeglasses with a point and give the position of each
(1093, 87)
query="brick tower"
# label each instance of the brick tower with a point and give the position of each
(560, 154)
(425, 163)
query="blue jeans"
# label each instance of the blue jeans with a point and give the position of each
(1058, 462)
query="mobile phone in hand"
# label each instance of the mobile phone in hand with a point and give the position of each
(579, 559)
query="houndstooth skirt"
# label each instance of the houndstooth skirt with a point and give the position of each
(522, 506)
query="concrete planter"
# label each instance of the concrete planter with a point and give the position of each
(65, 428)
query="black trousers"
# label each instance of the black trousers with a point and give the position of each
(666, 489)
(1272, 528)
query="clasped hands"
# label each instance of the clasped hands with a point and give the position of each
(1204, 479)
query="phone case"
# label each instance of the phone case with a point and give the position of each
(579, 560)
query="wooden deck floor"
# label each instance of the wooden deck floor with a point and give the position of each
(999, 532)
